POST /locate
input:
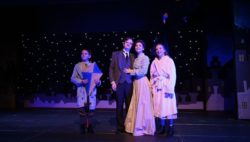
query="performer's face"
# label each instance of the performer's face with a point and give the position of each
(85, 55)
(139, 47)
(128, 44)
(160, 50)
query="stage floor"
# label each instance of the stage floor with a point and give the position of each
(62, 125)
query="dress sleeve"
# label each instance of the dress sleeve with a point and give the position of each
(143, 67)
(172, 74)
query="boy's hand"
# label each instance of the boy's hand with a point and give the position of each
(97, 82)
(85, 81)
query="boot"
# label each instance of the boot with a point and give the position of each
(82, 129)
(156, 125)
(90, 129)
(161, 130)
(170, 131)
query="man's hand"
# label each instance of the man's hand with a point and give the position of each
(127, 70)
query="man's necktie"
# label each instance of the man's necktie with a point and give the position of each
(127, 56)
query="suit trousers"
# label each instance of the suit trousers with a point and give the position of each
(123, 94)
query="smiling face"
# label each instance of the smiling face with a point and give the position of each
(160, 50)
(139, 48)
(85, 55)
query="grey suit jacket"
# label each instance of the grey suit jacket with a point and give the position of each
(115, 67)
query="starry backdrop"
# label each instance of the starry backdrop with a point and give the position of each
(46, 60)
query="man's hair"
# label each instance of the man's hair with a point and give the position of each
(127, 38)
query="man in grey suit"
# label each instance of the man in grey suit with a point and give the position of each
(121, 82)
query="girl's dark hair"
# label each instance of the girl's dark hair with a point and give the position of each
(142, 42)
(164, 46)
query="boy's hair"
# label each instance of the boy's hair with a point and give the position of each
(88, 50)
